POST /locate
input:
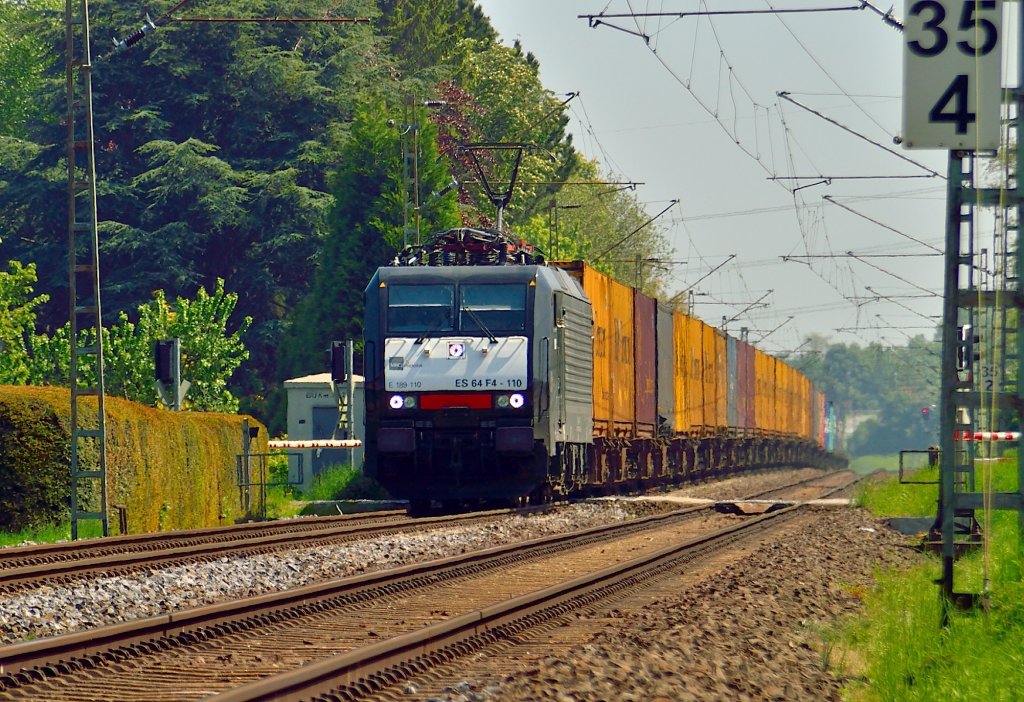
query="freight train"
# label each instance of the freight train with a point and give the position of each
(493, 376)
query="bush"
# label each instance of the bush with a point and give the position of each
(345, 483)
(278, 473)
(173, 470)
(281, 502)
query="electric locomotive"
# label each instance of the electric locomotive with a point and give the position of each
(478, 373)
(492, 377)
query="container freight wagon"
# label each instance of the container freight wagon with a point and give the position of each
(494, 377)
(707, 414)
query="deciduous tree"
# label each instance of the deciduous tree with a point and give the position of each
(210, 351)
(18, 305)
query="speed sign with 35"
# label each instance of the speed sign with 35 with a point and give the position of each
(951, 74)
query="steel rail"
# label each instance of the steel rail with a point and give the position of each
(22, 576)
(155, 539)
(41, 658)
(363, 671)
(25, 566)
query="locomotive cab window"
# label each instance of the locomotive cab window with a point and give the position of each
(492, 308)
(421, 309)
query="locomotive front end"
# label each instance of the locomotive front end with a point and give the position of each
(450, 398)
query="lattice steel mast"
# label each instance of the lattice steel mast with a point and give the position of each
(966, 392)
(87, 484)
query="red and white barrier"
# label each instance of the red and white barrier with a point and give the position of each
(986, 436)
(314, 443)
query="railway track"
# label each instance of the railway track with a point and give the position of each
(27, 567)
(377, 619)
(38, 554)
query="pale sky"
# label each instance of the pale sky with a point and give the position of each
(669, 113)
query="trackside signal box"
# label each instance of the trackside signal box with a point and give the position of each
(313, 414)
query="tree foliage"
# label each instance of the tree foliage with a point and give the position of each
(367, 228)
(427, 33)
(17, 321)
(259, 154)
(24, 61)
(507, 103)
(889, 384)
(606, 226)
(210, 353)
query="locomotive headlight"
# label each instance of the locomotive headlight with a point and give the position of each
(516, 400)
(409, 402)
(502, 401)
(396, 402)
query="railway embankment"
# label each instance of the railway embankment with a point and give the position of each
(767, 618)
(759, 624)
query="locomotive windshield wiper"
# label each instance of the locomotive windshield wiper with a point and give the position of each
(480, 323)
(434, 326)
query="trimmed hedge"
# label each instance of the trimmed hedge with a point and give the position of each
(171, 470)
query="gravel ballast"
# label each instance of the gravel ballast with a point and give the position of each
(751, 629)
(757, 629)
(50, 611)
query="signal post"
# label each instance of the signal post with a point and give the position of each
(953, 100)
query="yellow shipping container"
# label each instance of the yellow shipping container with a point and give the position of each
(758, 381)
(709, 377)
(773, 392)
(689, 364)
(623, 371)
(792, 423)
(781, 420)
(614, 377)
(799, 403)
(782, 396)
(793, 426)
(721, 380)
(806, 408)
(794, 400)
(697, 400)
(715, 411)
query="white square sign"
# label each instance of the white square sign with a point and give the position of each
(951, 74)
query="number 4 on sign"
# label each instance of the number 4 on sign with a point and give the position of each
(951, 74)
(952, 106)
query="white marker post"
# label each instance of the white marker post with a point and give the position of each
(951, 74)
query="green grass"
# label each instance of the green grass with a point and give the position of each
(344, 483)
(904, 654)
(869, 464)
(52, 533)
(340, 482)
(335, 483)
(890, 498)
(281, 502)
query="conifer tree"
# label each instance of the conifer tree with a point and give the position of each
(366, 228)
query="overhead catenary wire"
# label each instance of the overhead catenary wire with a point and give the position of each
(786, 96)
(833, 201)
(829, 178)
(850, 254)
(822, 68)
(895, 299)
(726, 107)
(672, 300)
(890, 273)
(732, 131)
(623, 240)
(708, 13)
(151, 25)
(290, 20)
(588, 126)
